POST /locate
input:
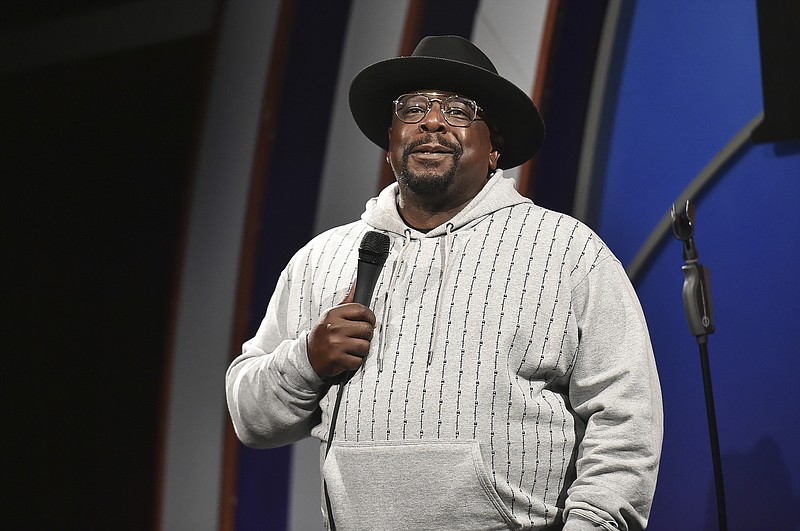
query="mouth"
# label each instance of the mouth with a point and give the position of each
(431, 152)
(432, 149)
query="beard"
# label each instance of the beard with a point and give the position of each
(429, 181)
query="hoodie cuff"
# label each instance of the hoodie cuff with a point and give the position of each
(579, 524)
(582, 520)
(303, 375)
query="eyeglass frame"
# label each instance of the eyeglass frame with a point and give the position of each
(441, 102)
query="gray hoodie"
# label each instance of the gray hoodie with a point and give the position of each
(510, 383)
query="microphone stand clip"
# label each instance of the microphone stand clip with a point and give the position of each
(697, 279)
(700, 315)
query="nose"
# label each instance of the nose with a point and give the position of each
(434, 121)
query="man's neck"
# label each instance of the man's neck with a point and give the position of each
(428, 213)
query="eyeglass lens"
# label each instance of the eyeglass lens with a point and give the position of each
(457, 110)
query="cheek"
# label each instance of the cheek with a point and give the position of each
(476, 136)
(394, 156)
(475, 149)
(397, 140)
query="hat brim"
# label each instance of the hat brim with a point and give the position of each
(509, 109)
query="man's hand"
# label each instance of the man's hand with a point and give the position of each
(339, 341)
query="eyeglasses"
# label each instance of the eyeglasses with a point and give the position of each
(457, 110)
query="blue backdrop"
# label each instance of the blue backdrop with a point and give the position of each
(690, 81)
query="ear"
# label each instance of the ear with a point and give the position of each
(493, 156)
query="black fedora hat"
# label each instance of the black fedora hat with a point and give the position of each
(453, 64)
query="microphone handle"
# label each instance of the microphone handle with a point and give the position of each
(365, 282)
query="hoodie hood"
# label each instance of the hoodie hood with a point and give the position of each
(499, 192)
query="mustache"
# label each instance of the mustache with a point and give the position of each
(429, 139)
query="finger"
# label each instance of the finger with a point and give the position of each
(357, 348)
(355, 329)
(356, 312)
(349, 363)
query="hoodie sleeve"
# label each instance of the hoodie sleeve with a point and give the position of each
(272, 391)
(614, 389)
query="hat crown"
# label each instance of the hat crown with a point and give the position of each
(454, 48)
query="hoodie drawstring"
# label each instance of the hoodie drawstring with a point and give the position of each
(448, 242)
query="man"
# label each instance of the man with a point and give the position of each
(502, 377)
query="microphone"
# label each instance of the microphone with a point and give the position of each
(372, 254)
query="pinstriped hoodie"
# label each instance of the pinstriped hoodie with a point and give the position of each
(510, 383)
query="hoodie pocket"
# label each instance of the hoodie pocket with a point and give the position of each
(413, 485)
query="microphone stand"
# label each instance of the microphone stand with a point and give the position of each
(700, 315)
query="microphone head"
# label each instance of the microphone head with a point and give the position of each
(374, 248)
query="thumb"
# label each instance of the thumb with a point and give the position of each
(350, 294)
